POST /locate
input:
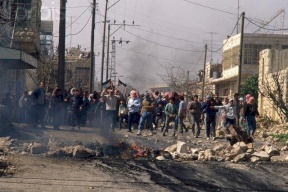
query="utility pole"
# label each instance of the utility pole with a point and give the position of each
(240, 54)
(238, 8)
(108, 46)
(204, 73)
(103, 45)
(92, 55)
(61, 51)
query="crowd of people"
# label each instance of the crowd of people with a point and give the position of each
(113, 109)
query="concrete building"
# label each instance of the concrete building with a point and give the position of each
(19, 44)
(273, 61)
(226, 85)
(77, 69)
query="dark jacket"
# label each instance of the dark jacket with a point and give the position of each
(206, 106)
(250, 110)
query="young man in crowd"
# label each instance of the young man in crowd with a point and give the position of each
(39, 101)
(76, 102)
(122, 113)
(182, 112)
(147, 114)
(230, 114)
(207, 106)
(170, 112)
(111, 107)
(195, 111)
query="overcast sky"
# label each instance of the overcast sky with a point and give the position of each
(171, 32)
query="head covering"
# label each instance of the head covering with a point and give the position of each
(251, 99)
(72, 90)
(231, 100)
(241, 99)
(209, 97)
(147, 95)
(247, 97)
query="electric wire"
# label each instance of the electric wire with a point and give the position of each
(80, 30)
(180, 39)
(261, 27)
(75, 19)
(226, 39)
(144, 54)
(212, 8)
(167, 46)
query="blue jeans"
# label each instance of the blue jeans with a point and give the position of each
(132, 118)
(176, 122)
(195, 119)
(169, 120)
(146, 116)
(251, 125)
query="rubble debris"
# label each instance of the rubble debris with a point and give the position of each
(37, 148)
(160, 158)
(182, 147)
(80, 151)
(262, 155)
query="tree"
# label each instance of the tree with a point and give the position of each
(272, 88)
(250, 86)
(177, 78)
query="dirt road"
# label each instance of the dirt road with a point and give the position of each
(40, 173)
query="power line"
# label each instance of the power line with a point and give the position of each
(75, 19)
(269, 29)
(173, 29)
(226, 39)
(159, 43)
(186, 40)
(80, 30)
(140, 53)
(212, 8)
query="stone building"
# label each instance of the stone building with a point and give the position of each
(226, 85)
(273, 61)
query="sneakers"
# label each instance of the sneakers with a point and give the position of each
(139, 132)
(150, 133)
(213, 138)
(207, 138)
(164, 134)
(196, 136)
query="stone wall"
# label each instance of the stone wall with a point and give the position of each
(272, 61)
